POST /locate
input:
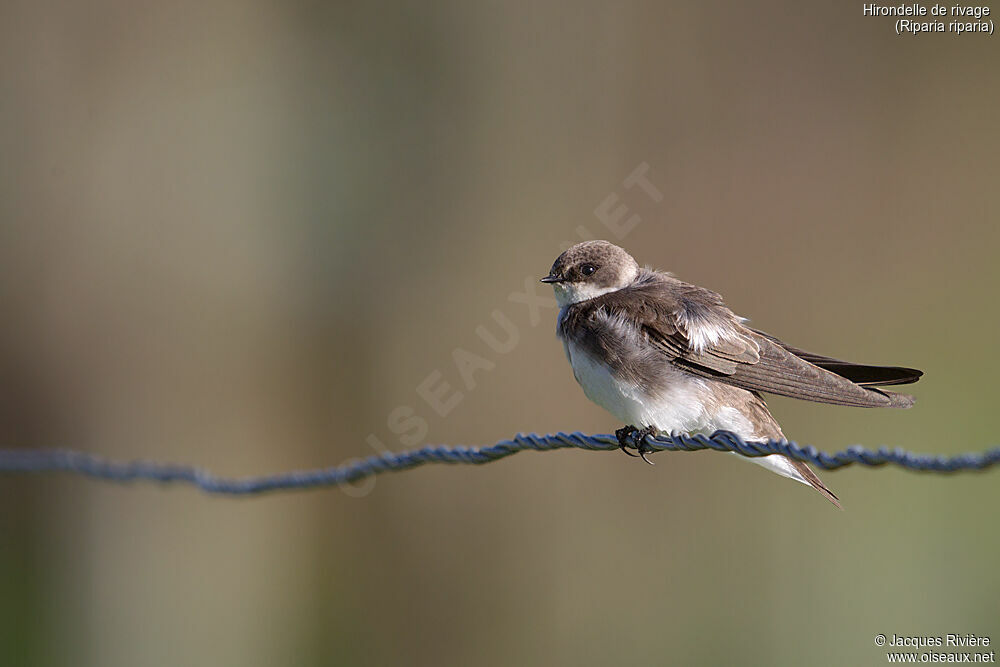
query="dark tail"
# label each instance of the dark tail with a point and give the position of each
(816, 482)
(867, 376)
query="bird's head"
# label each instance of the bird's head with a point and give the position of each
(590, 269)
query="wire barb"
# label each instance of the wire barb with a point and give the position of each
(90, 465)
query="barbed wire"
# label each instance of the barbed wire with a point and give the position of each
(97, 467)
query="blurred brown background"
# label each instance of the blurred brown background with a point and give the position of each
(242, 234)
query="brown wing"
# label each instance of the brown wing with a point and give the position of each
(862, 374)
(780, 372)
(698, 333)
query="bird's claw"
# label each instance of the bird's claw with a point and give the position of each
(623, 434)
(630, 432)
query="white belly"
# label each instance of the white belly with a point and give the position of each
(677, 408)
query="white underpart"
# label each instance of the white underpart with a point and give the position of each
(776, 463)
(681, 408)
(678, 408)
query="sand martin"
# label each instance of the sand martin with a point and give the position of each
(664, 355)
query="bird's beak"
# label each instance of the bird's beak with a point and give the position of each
(552, 279)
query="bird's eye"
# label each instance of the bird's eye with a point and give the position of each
(588, 269)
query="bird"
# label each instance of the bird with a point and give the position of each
(663, 355)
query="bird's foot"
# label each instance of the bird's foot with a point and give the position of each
(629, 434)
(624, 434)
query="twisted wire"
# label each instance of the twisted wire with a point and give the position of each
(97, 467)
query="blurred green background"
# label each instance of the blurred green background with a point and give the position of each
(242, 234)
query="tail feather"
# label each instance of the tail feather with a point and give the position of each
(768, 428)
(869, 376)
(862, 374)
(796, 470)
(815, 482)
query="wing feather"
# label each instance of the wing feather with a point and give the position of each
(863, 374)
(695, 331)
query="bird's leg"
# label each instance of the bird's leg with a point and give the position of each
(642, 446)
(623, 434)
(638, 436)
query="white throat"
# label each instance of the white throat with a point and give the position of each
(569, 293)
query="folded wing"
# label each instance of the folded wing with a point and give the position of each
(698, 333)
(863, 374)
